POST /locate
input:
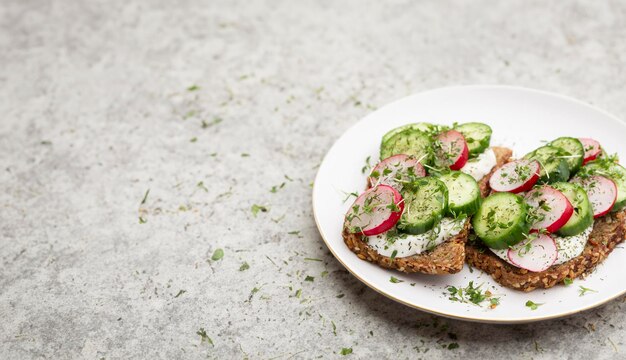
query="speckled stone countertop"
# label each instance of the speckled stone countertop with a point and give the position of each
(210, 105)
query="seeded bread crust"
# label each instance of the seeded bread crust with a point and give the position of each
(608, 232)
(445, 258)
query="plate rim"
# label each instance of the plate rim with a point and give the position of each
(438, 312)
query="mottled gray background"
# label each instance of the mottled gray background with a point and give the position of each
(95, 109)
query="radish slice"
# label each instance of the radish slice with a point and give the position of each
(516, 176)
(552, 208)
(592, 149)
(536, 255)
(375, 211)
(453, 151)
(602, 193)
(395, 170)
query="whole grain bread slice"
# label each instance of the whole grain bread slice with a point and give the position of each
(607, 233)
(445, 258)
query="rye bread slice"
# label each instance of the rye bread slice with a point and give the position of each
(445, 258)
(607, 233)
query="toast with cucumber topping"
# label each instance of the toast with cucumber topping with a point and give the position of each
(440, 174)
(607, 233)
(554, 214)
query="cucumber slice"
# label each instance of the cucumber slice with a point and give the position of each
(575, 148)
(463, 193)
(409, 142)
(421, 126)
(613, 171)
(582, 217)
(501, 220)
(425, 203)
(477, 135)
(551, 159)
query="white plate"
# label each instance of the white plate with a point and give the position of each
(521, 119)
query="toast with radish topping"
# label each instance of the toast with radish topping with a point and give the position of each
(441, 173)
(607, 233)
(529, 236)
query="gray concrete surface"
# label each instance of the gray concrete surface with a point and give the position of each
(95, 110)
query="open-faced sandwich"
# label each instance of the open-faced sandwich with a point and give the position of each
(552, 216)
(414, 215)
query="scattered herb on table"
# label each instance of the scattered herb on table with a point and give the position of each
(180, 292)
(201, 186)
(272, 261)
(193, 139)
(334, 328)
(395, 280)
(244, 266)
(245, 155)
(189, 114)
(312, 259)
(453, 346)
(275, 188)
(204, 337)
(277, 220)
(225, 194)
(256, 208)
(193, 88)
(252, 292)
(295, 232)
(309, 278)
(346, 351)
(340, 296)
(142, 220)
(218, 254)
(145, 197)
(298, 293)
(216, 120)
(532, 305)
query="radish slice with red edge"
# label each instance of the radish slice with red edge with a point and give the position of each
(592, 149)
(534, 255)
(453, 152)
(552, 208)
(375, 211)
(602, 193)
(515, 176)
(395, 170)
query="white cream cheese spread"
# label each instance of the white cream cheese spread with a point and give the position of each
(407, 245)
